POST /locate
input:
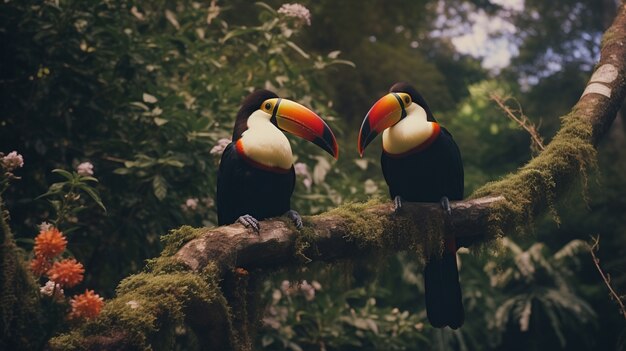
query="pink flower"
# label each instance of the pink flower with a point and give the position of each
(191, 203)
(296, 11)
(218, 149)
(301, 168)
(208, 202)
(49, 290)
(12, 161)
(307, 290)
(85, 169)
(45, 226)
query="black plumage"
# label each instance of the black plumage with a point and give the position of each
(243, 189)
(428, 175)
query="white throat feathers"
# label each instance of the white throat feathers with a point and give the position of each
(410, 134)
(263, 143)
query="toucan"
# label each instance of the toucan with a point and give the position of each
(256, 176)
(421, 163)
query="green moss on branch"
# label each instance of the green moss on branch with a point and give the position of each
(535, 186)
(151, 306)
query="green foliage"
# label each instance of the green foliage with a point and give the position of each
(144, 91)
(309, 316)
(66, 194)
(538, 297)
(477, 126)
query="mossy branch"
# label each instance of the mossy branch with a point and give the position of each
(181, 286)
(349, 231)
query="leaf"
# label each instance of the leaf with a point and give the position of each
(361, 163)
(142, 161)
(372, 325)
(151, 99)
(64, 173)
(160, 121)
(56, 204)
(88, 178)
(237, 32)
(141, 105)
(299, 50)
(293, 346)
(267, 340)
(93, 194)
(571, 249)
(171, 17)
(343, 62)
(334, 54)
(28, 241)
(215, 62)
(172, 162)
(265, 6)
(159, 186)
(52, 190)
(213, 12)
(121, 171)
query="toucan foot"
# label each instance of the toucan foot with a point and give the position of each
(397, 204)
(445, 204)
(250, 222)
(295, 217)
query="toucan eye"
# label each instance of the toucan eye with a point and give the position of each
(268, 106)
(407, 100)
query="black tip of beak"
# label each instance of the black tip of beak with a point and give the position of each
(366, 135)
(328, 142)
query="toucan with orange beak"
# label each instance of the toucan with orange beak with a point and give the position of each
(256, 176)
(421, 163)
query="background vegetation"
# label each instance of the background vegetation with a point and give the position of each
(146, 90)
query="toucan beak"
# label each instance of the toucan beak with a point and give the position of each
(386, 112)
(299, 120)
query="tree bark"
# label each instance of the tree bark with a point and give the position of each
(356, 230)
(236, 246)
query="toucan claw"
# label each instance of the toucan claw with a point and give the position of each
(250, 222)
(397, 204)
(295, 217)
(445, 204)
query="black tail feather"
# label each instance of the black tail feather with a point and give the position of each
(444, 302)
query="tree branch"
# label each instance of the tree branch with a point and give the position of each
(523, 121)
(333, 234)
(595, 246)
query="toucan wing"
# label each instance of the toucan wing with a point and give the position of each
(226, 186)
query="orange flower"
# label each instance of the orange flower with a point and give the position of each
(40, 265)
(50, 243)
(66, 273)
(86, 306)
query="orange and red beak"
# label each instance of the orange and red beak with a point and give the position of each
(386, 112)
(299, 120)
